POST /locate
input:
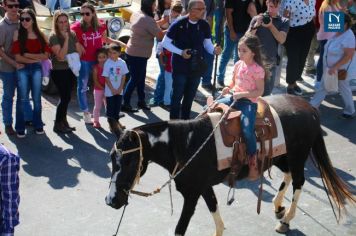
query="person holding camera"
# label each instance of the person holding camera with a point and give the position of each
(271, 29)
(187, 38)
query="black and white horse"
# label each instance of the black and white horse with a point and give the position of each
(172, 142)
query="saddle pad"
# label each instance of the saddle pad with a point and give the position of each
(224, 153)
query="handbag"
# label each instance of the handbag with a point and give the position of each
(330, 82)
(342, 74)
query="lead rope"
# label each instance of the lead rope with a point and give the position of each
(117, 230)
(173, 176)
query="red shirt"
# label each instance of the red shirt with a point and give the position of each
(101, 79)
(90, 40)
(32, 46)
(168, 56)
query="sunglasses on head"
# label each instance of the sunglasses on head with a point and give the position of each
(85, 13)
(13, 6)
(27, 19)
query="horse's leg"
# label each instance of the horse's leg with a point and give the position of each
(279, 210)
(211, 202)
(190, 201)
(297, 182)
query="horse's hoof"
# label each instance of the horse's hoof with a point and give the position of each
(282, 227)
(280, 213)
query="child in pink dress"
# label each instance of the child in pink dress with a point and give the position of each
(247, 85)
(99, 85)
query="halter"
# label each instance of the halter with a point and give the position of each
(139, 167)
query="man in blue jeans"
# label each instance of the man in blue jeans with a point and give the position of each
(238, 17)
(8, 66)
(187, 39)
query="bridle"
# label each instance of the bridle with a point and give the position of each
(139, 167)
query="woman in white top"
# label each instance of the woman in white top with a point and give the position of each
(338, 54)
(301, 32)
(322, 36)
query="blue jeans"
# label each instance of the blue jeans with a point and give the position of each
(269, 82)
(137, 67)
(160, 85)
(248, 119)
(184, 87)
(218, 17)
(209, 60)
(9, 84)
(319, 65)
(82, 84)
(113, 106)
(29, 79)
(229, 48)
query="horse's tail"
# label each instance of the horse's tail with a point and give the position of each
(337, 188)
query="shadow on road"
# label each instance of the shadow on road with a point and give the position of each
(41, 158)
(329, 118)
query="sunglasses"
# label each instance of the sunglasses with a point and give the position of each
(85, 13)
(27, 19)
(13, 6)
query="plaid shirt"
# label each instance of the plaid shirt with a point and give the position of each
(9, 190)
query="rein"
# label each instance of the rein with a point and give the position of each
(173, 175)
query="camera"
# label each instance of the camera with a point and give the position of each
(266, 19)
(195, 58)
(197, 64)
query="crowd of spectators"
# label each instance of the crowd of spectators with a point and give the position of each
(188, 36)
(185, 45)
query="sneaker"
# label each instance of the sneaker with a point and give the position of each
(290, 91)
(297, 90)
(143, 106)
(153, 103)
(208, 87)
(21, 134)
(96, 125)
(61, 128)
(346, 116)
(39, 131)
(221, 83)
(121, 114)
(87, 118)
(9, 130)
(311, 71)
(128, 108)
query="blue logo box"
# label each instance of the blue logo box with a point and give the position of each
(334, 21)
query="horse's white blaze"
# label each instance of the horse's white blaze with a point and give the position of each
(163, 138)
(277, 200)
(112, 189)
(219, 224)
(291, 211)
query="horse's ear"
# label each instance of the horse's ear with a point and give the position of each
(115, 127)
